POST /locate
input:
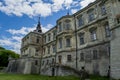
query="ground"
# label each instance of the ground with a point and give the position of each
(4, 76)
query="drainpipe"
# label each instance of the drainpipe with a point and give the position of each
(76, 42)
(41, 56)
(55, 54)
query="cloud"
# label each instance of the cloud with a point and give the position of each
(32, 7)
(14, 42)
(22, 31)
(74, 11)
(84, 3)
(11, 44)
(39, 7)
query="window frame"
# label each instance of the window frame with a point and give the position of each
(69, 58)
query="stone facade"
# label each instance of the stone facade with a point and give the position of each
(89, 38)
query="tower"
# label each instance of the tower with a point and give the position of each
(38, 28)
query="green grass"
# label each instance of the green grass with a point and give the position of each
(4, 76)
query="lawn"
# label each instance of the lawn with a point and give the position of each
(4, 76)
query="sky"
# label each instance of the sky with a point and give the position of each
(19, 17)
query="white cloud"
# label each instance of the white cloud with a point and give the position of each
(74, 11)
(10, 43)
(22, 31)
(33, 7)
(84, 3)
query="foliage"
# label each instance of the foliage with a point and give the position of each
(1, 48)
(4, 56)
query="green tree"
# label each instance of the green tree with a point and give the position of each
(4, 56)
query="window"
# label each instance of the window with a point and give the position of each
(91, 15)
(118, 20)
(37, 40)
(82, 57)
(54, 35)
(36, 53)
(93, 34)
(60, 43)
(48, 49)
(49, 37)
(53, 60)
(60, 27)
(45, 39)
(68, 42)
(103, 10)
(107, 30)
(69, 58)
(36, 62)
(54, 48)
(67, 26)
(95, 54)
(80, 21)
(81, 38)
(43, 62)
(59, 59)
(47, 62)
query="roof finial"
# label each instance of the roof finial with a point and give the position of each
(39, 20)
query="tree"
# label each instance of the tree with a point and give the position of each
(4, 55)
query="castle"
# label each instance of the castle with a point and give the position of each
(89, 38)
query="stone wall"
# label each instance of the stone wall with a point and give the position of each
(115, 54)
(23, 66)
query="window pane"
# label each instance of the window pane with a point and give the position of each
(103, 9)
(95, 54)
(49, 37)
(107, 30)
(81, 39)
(91, 15)
(48, 49)
(69, 58)
(67, 26)
(60, 27)
(80, 21)
(93, 35)
(60, 43)
(68, 42)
